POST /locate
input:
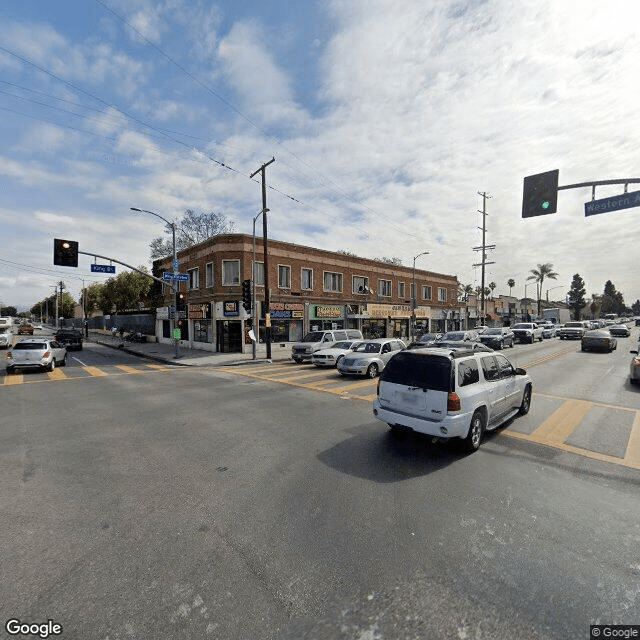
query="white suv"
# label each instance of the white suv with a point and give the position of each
(451, 393)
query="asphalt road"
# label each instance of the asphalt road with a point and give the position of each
(160, 502)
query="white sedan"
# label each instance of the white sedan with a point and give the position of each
(330, 357)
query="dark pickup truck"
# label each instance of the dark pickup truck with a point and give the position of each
(70, 338)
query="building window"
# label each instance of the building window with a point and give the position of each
(360, 284)
(194, 278)
(442, 294)
(332, 281)
(259, 274)
(426, 292)
(384, 288)
(230, 272)
(208, 275)
(284, 276)
(400, 289)
(306, 279)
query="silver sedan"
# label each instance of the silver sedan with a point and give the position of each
(370, 357)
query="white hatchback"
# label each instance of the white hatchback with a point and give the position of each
(451, 393)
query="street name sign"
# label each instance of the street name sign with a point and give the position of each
(103, 268)
(181, 277)
(615, 203)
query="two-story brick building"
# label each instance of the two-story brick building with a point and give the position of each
(309, 289)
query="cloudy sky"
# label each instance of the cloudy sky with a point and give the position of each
(385, 120)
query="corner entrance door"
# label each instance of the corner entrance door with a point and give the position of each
(229, 336)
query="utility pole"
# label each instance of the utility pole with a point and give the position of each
(61, 285)
(484, 248)
(267, 314)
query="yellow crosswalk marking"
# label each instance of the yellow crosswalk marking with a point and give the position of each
(562, 422)
(632, 455)
(56, 374)
(16, 378)
(95, 372)
(127, 369)
(158, 367)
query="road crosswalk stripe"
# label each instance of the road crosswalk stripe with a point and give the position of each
(632, 455)
(562, 422)
(95, 372)
(56, 374)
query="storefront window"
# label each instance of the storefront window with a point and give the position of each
(202, 331)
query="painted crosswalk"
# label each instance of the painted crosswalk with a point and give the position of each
(599, 431)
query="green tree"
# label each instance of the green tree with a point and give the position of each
(464, 291)
(612, 300)
(125, 292)
(539, 275)
(511, 283)
(577, 294)
(8, 312)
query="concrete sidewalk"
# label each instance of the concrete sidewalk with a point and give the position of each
(165, 353)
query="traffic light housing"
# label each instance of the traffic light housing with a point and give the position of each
(181, 301)
(540, 194)
(246, 294)
(65, 253)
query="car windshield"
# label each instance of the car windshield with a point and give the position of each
(342, 345)
(522, 326)
(368, 347)
(492, 332)
(454, 335)
(30, 346)
(422, 371)
(428, 337)
(313, 336)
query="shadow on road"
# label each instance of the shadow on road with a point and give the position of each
(379, 456)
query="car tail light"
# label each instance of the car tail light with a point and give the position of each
(46, 354)
(9, 355)
(453, 402)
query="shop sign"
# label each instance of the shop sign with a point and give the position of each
(331, 312)
(230, 308)
(198, 311)
(286, 309)
(396, 311)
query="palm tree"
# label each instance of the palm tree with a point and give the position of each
(538, 276)
(492, 286)
(511, 283)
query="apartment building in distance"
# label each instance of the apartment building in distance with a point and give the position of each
(309, 289)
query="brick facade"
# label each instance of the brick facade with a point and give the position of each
(298, 306)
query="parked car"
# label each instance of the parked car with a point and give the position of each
(572, 330)
(71, 338)
(451, 393)
(370, 357)
(498, 338)
(6, 338)
(471, 335)
(317, 340)
(330, 357)
(527, 332)
(620, 330)
(634, 369)
(25, 329)
(36, 353)
(598, 339)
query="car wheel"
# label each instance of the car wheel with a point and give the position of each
(52, 364)
(474, 436)
(501, 347)
(64, 361)
(10, 370)
(372, 370)
(513, 344)
(526, 401)
(338, 360)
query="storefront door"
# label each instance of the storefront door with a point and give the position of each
(229, 336)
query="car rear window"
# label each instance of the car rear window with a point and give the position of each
(29, 346)
(426, 371)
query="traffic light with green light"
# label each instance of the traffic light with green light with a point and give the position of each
(540, 194)
(65, 253)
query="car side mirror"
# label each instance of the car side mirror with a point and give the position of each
(634, 351)
(520, 371)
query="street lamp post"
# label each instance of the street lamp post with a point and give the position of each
(414, 296)
(560, 286)
(175, 283)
